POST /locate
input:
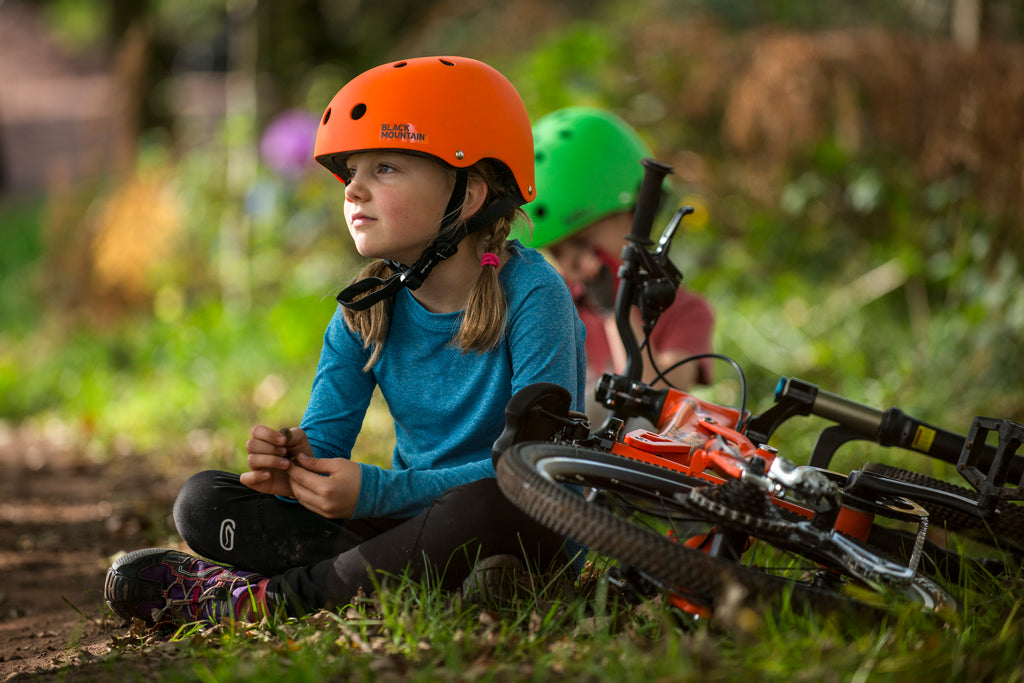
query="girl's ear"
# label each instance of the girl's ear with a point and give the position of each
(476, 194)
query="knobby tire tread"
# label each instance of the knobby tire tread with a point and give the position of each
(1008, 526)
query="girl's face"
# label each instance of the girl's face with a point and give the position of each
(577, 259)
(394, 203)
(584, 257)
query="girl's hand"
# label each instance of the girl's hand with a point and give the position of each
(327, 486)
(270, 456)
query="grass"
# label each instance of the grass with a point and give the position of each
(411, 631)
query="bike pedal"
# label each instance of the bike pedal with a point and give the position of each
(989, 478)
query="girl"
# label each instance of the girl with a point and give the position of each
(449, 320)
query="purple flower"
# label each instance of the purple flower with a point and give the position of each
(287, 144)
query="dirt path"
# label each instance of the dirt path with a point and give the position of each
(62, 517)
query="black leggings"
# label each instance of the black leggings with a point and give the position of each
(316, 562)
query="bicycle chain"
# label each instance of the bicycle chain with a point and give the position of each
(738, 504)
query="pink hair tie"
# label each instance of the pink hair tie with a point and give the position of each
(490, 259)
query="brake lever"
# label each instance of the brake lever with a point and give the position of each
(659, 291)
(665, 243)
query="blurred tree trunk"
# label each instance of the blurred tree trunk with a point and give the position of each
(130, 36)
(965, 23)
(240, 160)
(131, 64)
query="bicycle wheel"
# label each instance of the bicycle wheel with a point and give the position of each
(1005, 529)
(643, 507)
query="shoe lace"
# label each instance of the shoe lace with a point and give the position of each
(203, 598)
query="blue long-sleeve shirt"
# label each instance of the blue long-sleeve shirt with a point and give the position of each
(448, 406)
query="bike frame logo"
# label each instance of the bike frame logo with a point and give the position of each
(227, 534)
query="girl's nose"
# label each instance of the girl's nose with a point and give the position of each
(354, 189)
(589, 265)
(579, 265)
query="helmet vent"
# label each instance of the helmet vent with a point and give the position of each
(446, 62)
(327, 115)
(565, 134)
(358, 111)
(399, 65)
(540, 211)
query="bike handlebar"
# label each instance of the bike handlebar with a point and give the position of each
(633, 259)
(858, 417)
(891, 427)
(647, 200)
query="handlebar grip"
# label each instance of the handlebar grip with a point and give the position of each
(647, 200)
(904, 431)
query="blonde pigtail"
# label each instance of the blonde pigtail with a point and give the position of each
(371, 324)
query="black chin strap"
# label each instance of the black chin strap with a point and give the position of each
(360, 295)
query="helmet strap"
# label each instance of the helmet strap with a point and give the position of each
(360, 295)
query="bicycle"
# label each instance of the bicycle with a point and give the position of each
(704, 504)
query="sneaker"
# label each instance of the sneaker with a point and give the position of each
(168, 587)
(496, 579)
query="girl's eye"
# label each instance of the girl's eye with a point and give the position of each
(381, 168)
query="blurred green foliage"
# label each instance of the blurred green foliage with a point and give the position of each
(857, 275)
(20, 235)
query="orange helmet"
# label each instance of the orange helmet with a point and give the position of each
(457, 109)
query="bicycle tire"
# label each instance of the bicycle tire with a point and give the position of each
(1005, 528)
(533, 476)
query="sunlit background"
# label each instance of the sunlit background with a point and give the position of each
(170, 253)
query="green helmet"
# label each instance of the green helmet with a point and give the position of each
(588, 166)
